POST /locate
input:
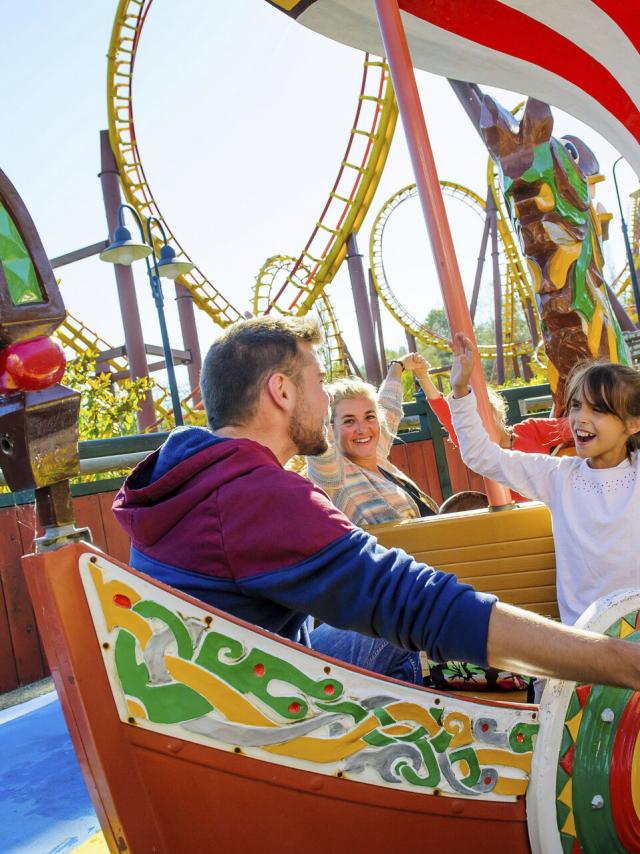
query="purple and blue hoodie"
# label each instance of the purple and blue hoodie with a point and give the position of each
(221, 520)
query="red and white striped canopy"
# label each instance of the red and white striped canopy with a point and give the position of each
(580, 55)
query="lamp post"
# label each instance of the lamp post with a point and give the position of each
(124, 250)
(627, 246)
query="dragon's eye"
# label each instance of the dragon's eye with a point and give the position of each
(571, 150)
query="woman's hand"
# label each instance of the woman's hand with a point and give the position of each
(464, 357)
(415, 363)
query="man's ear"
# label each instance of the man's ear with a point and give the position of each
(281, 390)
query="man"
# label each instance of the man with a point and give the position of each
(214, 513)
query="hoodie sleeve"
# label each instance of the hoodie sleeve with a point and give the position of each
(314, 561)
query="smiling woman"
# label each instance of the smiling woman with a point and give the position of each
(356, 471)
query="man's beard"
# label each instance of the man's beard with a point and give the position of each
(308, 441)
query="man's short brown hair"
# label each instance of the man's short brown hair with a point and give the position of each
(239, 363)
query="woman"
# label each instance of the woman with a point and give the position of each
(356, 471)
(361, 480)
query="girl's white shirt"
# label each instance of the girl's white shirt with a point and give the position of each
(595, 512)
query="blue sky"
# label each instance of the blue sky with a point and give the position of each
(242, 117)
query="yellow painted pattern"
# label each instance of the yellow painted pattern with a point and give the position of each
(288, 5)
(224, 699)
(544, 200)
(566, 795)
(136, 709)
(626, 629)
(595, 331)
(115, 615)
(459, 726)
(563, 258)
(635, 776)
(510, 786)
(536, 275)
(612, 342)
(325, 749)
(492, 757)
(574, 725)
(569, 825)
(410, 712)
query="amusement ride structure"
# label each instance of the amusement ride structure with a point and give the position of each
(194, 727)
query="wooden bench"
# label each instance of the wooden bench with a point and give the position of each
(506, 552)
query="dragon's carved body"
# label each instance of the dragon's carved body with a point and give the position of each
(546, 184)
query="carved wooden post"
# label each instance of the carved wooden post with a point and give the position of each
(38, 417)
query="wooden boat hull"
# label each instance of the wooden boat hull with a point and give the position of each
(157, 787)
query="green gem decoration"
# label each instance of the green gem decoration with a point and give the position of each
(16, 263)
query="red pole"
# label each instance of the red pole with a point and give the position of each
(404, 82)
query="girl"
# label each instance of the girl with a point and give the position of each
(594, 497)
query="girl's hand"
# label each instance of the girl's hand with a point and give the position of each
(464, 357)
(415, 363)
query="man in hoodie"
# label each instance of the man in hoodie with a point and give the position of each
(215, 514)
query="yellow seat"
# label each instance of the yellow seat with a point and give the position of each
(506, 552)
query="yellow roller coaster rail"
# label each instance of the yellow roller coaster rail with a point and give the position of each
(125, 36)
(513, 276)
(622, 283)
(279, 268)
(77, 337)
(348, 202)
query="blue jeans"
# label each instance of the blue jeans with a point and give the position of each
(373, 654)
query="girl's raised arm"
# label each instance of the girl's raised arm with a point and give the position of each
(528, 474)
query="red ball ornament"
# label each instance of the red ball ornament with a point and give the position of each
(31, 365)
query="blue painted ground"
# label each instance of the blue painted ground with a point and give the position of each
(44, 804)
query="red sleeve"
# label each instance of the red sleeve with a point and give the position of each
(540, 435)
(440, 408)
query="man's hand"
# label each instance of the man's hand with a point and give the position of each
(415, 363)
(464, 357)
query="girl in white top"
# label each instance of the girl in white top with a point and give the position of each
(594, 498)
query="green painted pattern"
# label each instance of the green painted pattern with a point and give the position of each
(152, 610)
(420, 756)
(16, 263)
(228, 659)
(165, 704)
(591, 769)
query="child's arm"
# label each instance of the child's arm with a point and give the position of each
(437, 401)
(540, 435)
(529, 474)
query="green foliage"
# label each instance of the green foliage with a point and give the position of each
(106, 410)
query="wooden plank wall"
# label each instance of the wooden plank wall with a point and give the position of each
(418, 460)
(22, 659)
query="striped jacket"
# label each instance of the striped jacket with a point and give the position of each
(365, 497)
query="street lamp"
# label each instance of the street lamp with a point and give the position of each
(124, 250)
(625, 234)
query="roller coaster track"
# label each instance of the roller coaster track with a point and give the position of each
(125, 37)
(77, 337)
(513, 276)
(348, 202)
(280, 267)
(622, 283)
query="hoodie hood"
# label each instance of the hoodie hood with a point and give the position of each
(186, 471)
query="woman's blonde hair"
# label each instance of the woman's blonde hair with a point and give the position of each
(613, 388)
(349, 388)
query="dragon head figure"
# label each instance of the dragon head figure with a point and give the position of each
(546, 185)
